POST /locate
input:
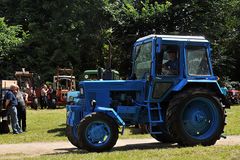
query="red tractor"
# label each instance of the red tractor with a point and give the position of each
(28, 84)
(63, 82)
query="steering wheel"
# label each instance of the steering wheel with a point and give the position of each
(165, 71)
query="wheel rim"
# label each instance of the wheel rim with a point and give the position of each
(200, 118)
(98, 133)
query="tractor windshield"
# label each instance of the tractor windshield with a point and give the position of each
(197, 61)
(143, 60)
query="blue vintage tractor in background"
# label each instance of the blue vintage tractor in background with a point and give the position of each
(172, 90)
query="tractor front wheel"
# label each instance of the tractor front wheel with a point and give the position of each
(196, 116)
(70, 135)
(98, 132)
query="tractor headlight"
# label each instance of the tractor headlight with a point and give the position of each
(86, 76)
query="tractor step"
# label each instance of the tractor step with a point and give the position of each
(156, 132)
(157, 121)
(154, 116)
(155, 108)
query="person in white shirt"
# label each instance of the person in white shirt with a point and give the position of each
(44, 92)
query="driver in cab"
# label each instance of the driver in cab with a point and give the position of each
(171, 66)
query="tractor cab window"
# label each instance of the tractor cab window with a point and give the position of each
(143, 60)
(167, 62)
(197, 61)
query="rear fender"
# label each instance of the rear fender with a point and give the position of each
(210, 84)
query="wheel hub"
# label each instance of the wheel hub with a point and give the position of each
(97, 133)
(200, 117)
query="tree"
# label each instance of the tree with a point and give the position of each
(62, 33)
(231, 40)
(11, 38)
(212, 19)
(130, 20)
(77, 33)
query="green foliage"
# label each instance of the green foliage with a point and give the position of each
(131, 17)
(131, 20)
(230, 44)
(77, 33)
(10, 37)
(62, 33)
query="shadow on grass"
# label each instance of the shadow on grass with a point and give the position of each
(61, 131)
(145, 146)
(141, 146)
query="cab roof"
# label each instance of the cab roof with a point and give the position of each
(175, 38)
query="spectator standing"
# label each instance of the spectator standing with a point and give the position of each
(44, 99)
(21, 109)
(11, 105)
(51, 97)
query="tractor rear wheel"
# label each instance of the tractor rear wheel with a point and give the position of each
(70, 135)
(196, 116)
(98, 132)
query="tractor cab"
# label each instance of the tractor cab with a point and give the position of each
(168, 63)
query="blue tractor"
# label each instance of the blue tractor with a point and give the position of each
(172, 91)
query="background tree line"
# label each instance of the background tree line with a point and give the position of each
(43, 34)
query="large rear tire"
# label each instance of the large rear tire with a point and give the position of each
(196, 117)
(165, 137)
(98, 132)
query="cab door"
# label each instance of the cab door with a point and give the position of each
(166, 70)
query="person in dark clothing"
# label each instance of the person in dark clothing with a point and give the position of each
(21, 109)
(11, 105)
(172, 64)
(51, 94)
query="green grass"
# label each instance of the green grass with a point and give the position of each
(154, 153)
(233, 121)
(49, 125)
(42, 125)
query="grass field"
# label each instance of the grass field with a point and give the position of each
(233, 121)
(49, 125)
(165, 153)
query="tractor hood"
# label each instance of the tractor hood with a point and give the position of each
(102, 91)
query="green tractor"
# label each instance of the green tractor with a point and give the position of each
(100, 73)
